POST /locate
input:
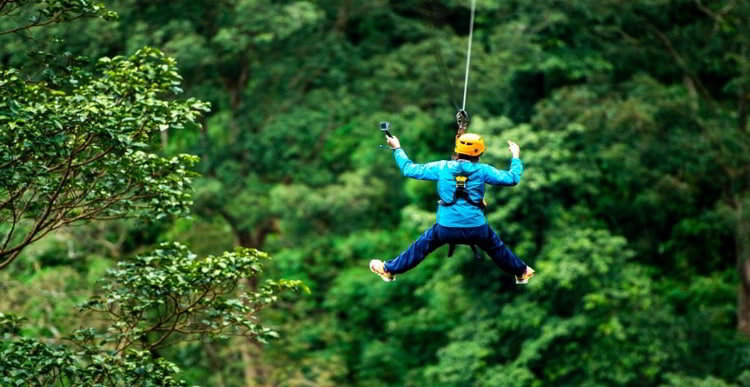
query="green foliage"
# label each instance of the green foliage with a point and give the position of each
(151, 302)
(31, 362)
(632, 120)
(80, 147)
(10, 324)
(81, 143)
(28, 362)
(171, 293)
(38, 13)
(687, 381)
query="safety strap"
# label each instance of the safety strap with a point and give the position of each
(462, 193)
(452, 249)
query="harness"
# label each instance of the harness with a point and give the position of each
(462, 192)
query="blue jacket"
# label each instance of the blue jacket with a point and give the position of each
(461, 214)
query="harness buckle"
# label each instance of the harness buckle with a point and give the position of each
(461, 182)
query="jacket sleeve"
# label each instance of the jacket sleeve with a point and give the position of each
(512, 176)
(429, 171)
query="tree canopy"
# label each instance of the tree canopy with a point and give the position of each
(634, 206)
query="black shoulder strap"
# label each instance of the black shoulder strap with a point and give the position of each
(462, 193)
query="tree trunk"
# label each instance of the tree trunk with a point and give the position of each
(215, 362)
(254, 371)
(742, 243)
(250, 372)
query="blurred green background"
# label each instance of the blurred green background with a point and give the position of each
(632, 118)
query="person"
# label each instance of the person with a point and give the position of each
(460, 214)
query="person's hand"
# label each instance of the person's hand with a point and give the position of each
(514, 149)
(393, 142)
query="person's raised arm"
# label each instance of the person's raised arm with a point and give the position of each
(429, 171)
(513, 175)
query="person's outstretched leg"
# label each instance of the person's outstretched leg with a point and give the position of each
(500, 253)
(416, 253)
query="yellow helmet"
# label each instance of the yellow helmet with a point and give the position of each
(470, 144)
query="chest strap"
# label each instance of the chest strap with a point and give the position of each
(462, 193)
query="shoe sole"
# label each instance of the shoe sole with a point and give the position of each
(382, 276)
(523, 281)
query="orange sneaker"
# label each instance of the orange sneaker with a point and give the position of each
(378, 267)
(524, 278)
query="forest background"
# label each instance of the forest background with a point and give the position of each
(632, 117)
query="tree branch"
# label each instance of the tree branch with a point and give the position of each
(30, 237)
(92, 159)
(12, 227)
(74, 153)
(54, 19)
(680, 61)
(14, 196)
(13, 161)
(176, 316)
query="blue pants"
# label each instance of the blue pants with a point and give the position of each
(437, 235)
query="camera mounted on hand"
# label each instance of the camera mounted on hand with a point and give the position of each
(385, 127)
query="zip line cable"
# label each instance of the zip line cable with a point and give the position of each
(468, 51)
